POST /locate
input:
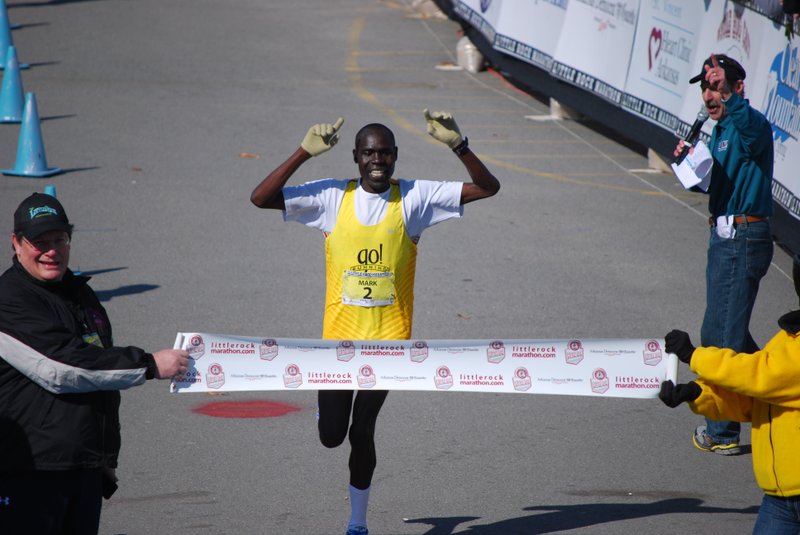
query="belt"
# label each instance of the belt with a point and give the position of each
(739, 219)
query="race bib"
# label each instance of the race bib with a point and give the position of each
(368, 289)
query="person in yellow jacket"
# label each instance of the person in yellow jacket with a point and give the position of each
(371, 225)
(762, 388)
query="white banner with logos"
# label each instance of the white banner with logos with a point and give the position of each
(777, 94)
(606, 368)
(594, 46)
(662, 62)
(641, 54)
(530, 30)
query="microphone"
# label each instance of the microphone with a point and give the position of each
(694, 133)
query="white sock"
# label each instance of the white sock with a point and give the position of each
(359, 500)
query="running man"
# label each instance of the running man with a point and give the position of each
(372, 225)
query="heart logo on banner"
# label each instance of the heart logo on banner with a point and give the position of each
(655, 43)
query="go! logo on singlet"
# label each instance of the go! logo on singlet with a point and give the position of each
(369, 282)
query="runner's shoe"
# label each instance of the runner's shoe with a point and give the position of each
(703, 442)
(358, 530)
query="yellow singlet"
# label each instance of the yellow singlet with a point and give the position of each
(370, 274)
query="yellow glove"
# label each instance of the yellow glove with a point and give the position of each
(321, 137)
(442, 127)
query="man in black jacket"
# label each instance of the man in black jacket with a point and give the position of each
(60, 376)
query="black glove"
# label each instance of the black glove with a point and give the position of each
(109, 482)
(678, 343)
(672, 395)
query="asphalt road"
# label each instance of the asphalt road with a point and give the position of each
(166, 115)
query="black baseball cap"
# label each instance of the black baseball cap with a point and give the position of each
(733, 69)
(40, 213)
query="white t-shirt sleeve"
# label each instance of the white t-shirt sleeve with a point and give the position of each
(425, 203)
(314, 204)
(428, 202)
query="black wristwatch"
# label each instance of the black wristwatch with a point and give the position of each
(462, 147)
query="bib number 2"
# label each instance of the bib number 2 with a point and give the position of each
(367, 289)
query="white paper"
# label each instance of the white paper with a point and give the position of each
(695, 169)
(725, 228)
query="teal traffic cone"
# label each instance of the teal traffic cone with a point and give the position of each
(5, 37)
(4, 15)
(31, 160)
(11, 93)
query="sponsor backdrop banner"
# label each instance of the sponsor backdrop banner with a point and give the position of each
(776, 86)
(662, 62)
(482, 14)
(594, 46)
(641, 54)
(607, 368)
(530, 30)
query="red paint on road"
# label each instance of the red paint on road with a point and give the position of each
(245, 409)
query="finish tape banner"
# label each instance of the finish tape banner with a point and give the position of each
(607, 368)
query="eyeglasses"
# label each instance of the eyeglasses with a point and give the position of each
(46, 245)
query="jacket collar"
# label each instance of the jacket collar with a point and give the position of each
(70, 281)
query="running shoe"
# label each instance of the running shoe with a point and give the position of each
(703, 442)
(358, 530)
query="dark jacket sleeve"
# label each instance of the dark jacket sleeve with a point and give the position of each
(42, 339)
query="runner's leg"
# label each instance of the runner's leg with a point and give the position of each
(362, 454)
(334, 416)
(362, 436)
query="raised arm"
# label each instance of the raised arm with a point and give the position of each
(751, 124)
(319, 138)
(442, 127)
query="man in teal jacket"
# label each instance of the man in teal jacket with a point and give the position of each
(740, 203)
